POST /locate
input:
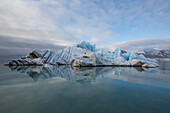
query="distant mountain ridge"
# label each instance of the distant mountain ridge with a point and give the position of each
(154, 53)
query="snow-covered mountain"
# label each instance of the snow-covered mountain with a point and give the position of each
(154, 53)
(157, 54)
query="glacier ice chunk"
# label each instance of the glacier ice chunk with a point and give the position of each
(84, 54)
(87, 45)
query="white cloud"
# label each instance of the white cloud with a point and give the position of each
(142, 44)
(26, 19)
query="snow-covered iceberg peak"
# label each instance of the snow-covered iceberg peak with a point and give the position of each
(87, 45)
(84, 54)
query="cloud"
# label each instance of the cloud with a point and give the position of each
(59, 22)
(64, 22)
(26, 19)
(10, 46)
(142, 44)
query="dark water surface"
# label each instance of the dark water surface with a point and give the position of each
(64, 89)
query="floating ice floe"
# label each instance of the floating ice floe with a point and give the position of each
(84, 54)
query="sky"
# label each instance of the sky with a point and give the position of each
(129, 24)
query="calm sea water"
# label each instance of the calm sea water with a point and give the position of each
(64, 89)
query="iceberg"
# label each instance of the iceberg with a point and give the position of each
(84, 54)
(87, 45)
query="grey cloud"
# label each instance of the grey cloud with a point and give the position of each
(14, 46)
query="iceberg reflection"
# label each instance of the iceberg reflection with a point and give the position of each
(65, 71)
(79, 74)
(92, 74)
